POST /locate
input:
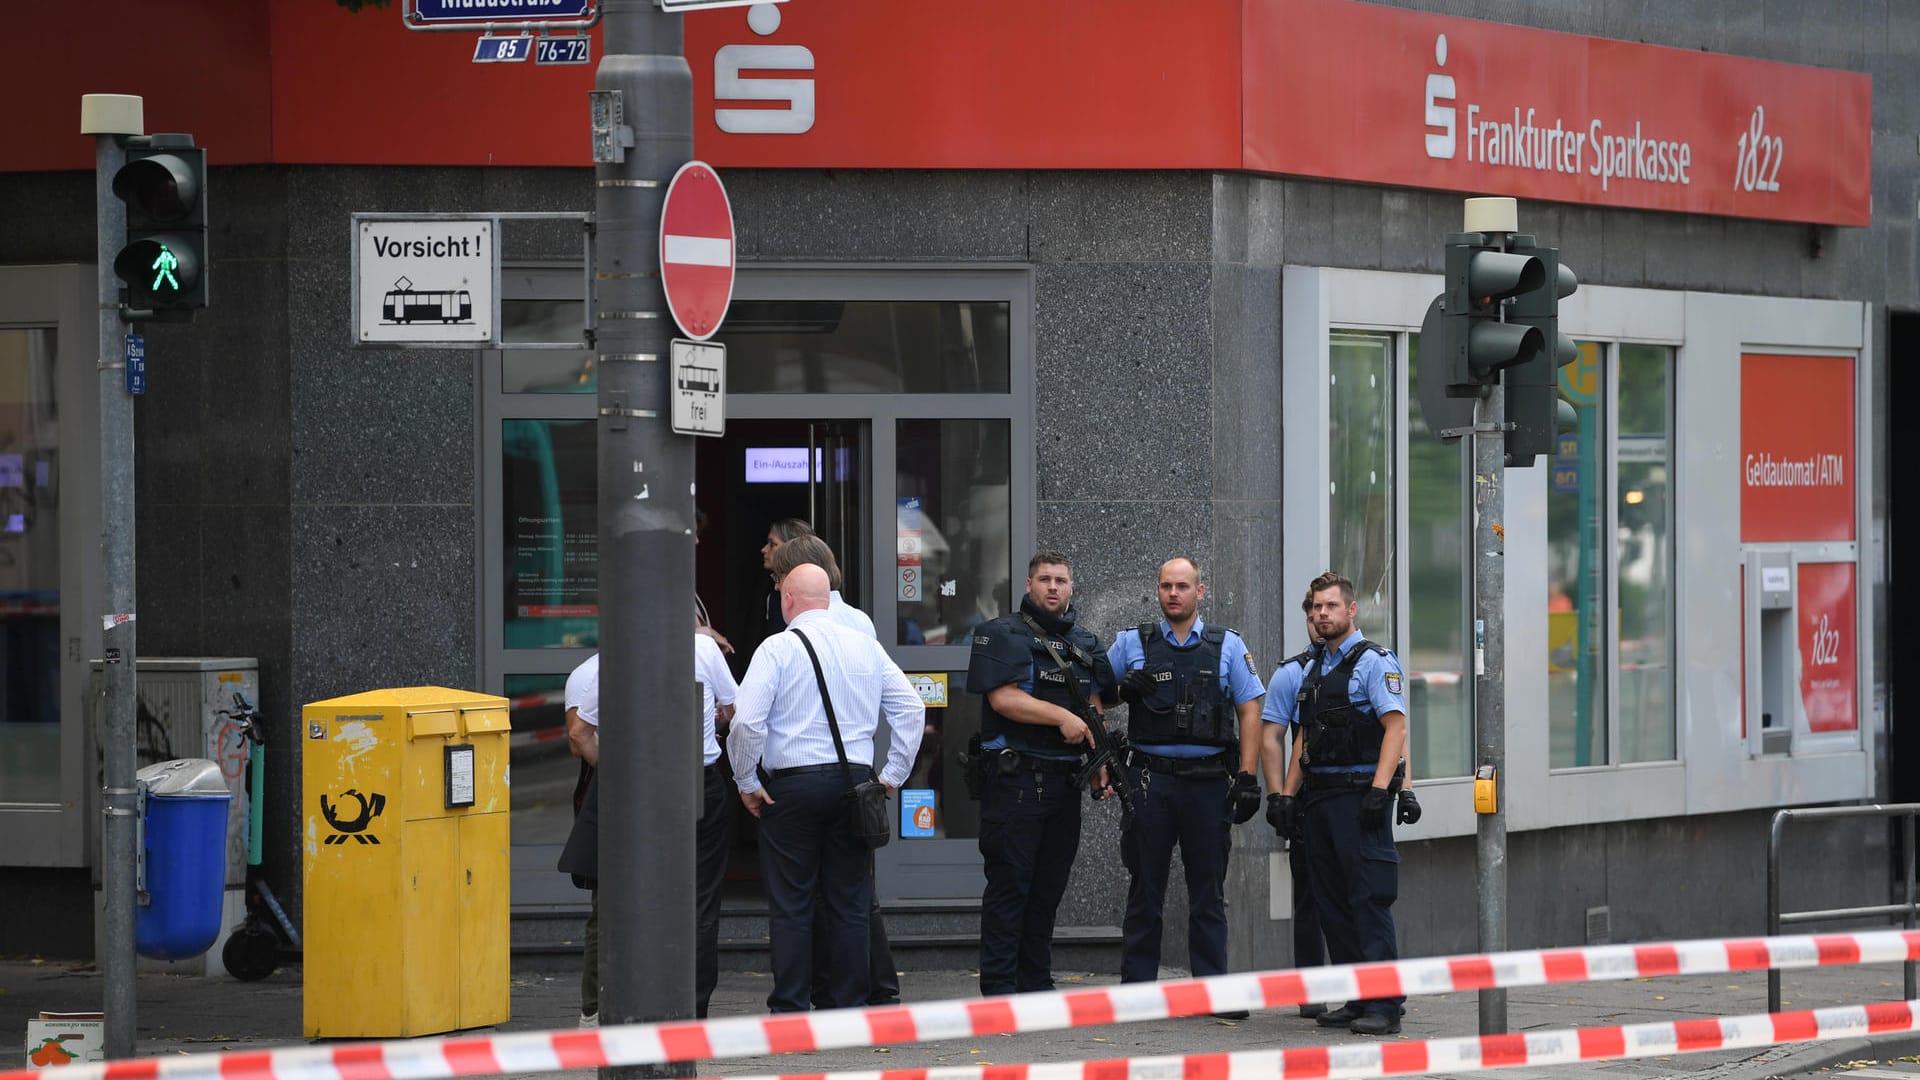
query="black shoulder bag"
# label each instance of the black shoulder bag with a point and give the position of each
(868, 816)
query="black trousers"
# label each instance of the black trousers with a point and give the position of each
(1308, 948)
(808, 854)
(1029, 834)
(710, 843)
(883, 979)
(1192, 812)
(1356, 878)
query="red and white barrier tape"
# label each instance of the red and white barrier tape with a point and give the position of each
(752, 1036)
(1390, 1058)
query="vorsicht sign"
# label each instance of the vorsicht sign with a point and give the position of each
(424, 281)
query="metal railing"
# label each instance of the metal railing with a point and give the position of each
(1777, 918)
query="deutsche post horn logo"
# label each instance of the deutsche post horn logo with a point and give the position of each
(355, 827)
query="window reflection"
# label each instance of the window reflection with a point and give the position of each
(545, 371)
(866, 347)
(1360, 430)
(1644, 513)
(550, 515)
(29, 568)
(1439, 694)
(952, 528)
(1576, 568)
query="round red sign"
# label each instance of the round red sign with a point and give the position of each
(696, 250)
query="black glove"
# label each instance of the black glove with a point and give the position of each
(1283, 813)
(1373, 808)
(1409, 811)
(1138, 685)
(1243, 798)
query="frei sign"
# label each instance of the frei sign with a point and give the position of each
(1445, 103)
(424, 281)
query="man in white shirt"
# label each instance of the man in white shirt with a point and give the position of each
(790, 777)
(581, 855)
(883, 978)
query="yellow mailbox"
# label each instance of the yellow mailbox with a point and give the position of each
(405, 807)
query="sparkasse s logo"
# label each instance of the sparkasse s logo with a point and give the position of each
(1440, 89)
(730, 84)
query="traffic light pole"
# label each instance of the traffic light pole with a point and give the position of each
(1490, 682)
(651, 784)
(119, 802)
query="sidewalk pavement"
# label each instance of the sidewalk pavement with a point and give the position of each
(188, 1015)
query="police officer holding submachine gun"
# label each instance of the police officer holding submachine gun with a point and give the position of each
(1044, 681)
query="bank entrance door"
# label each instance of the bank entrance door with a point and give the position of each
(879, 406)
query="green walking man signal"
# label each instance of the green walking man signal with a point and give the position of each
(164, 259)
(164, 264)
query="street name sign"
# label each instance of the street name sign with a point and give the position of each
(497, 11)
(426, 281)
(699, 387)
(696, 249)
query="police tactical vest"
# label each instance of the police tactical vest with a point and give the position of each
(1187, 704)
(1339, 731)
(1049, 685)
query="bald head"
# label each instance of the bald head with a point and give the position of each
(805, 588)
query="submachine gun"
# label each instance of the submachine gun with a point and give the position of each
(1109, 748)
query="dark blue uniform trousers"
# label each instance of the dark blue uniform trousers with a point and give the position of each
(1191, 812)
(807, 847)
(1029, 834)
(1308, 949)
(1356, 877)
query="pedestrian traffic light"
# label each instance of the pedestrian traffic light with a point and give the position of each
(1533, 385)
(1480, 344)
(164, 260)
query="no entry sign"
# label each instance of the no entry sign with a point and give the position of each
(696, 249)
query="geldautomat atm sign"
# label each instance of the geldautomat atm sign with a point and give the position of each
(1796, 448)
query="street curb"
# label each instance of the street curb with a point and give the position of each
(1788, 1059)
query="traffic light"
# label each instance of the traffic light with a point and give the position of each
(1533, 385)
(1479, 344)
(164, 260)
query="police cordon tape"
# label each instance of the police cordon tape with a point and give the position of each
(753, 1036)
(1467, 1054)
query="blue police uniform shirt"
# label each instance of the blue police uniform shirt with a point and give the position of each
(1237, 677)
(1283, 692)
(1377, 680)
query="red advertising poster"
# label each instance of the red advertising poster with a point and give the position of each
(1796, 448)
(1828, 683)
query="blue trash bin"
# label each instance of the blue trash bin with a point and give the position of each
(185, 855)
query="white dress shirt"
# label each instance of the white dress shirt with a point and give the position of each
(849, 616)
(709, 667)
(780, 723)
(716, 685)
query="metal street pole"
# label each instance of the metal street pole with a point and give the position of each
(1490, 684)
(107, 117)
(650, 778)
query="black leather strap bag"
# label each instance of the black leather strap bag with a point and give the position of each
(867, 816)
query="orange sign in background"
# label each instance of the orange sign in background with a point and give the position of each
(1796, 448)
(1828, 653)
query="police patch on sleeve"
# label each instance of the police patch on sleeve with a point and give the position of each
(1251, 670)
(1393, 682)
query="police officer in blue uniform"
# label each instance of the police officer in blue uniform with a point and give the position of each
(1194, 729)
(1032, 745)
(1278, 713)
(1351, 709)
